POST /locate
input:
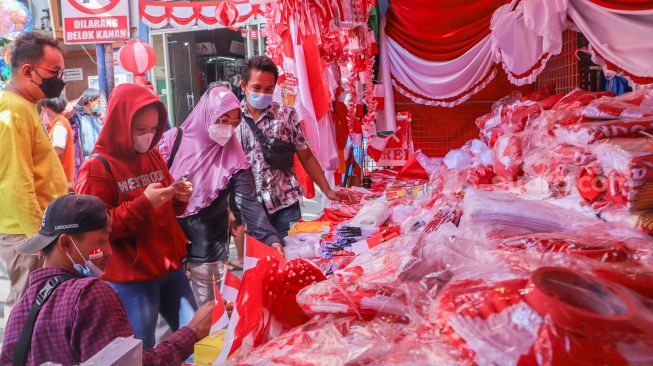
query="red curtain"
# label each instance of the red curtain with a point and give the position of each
(632, 5)
(440, 30)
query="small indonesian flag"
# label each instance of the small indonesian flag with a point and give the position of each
(219, 317)
(363, 246)
(230, 286)
(255, 250)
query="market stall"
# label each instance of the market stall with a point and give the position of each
(528, 245)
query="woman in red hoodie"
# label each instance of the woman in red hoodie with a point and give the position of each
(132, 179)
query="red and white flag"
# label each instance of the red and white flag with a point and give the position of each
(376, 146)
(413, 168)
(219, 317)
(230, 286)
(255, 250)
(366, 245)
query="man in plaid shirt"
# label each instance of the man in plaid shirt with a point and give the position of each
(83, 314)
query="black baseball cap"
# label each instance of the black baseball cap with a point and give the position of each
(70, 214)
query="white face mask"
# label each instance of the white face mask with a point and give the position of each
(221, 133)
(142, 143)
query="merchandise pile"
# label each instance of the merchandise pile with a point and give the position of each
(527, 246)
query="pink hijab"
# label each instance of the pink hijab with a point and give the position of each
(211, 165)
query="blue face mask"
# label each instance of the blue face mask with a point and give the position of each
(88, 269)
(97, 108)
(259, 100)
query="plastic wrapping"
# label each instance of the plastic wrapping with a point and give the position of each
(588, 133)
(304, 245)
(636, 104)
(373, 213)
(386, 262)
(623, 173)
(401, 213)
(553, 316)
(368, 285)
(508, 158)
(505, 215)
(521, 270)
(576, 99)
(329, 341)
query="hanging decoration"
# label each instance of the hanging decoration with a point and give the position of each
(442, 55)
(138, 58)
(202, 14)
(16, 19)
(226, 14)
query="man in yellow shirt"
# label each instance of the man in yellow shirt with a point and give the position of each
(30, 172)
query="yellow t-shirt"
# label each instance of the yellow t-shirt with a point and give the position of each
(31, 175)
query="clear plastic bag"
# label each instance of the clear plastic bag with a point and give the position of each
(636, 104)
(373, 213)
(588, 133)
(303, 245)
(626, 167)
(553, 316)
(501, 214)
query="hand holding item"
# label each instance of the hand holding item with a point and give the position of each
(201, 322)
(158, 195)
(183, 191)
(278, 247)
(342, 195)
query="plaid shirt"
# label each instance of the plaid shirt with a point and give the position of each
(80, 318)
(277, 189)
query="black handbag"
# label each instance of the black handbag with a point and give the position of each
(277, 153)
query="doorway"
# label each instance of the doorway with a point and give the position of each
(183, 74)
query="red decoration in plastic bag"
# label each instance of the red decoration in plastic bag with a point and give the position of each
(508, 157)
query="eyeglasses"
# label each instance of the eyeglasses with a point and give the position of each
(228, 121)
(57, 72)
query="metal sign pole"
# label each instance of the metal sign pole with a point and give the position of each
(108, 66)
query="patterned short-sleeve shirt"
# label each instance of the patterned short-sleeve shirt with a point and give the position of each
(277, 189)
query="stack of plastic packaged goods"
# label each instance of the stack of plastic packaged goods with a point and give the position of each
(520, 248)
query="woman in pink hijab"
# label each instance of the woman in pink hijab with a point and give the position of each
(215, 163)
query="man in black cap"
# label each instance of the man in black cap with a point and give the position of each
(67, 314)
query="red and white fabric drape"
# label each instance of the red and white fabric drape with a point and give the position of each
(441, 54)
(185, 15)
(619, 35)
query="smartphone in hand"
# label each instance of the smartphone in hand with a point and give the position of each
(180, 180)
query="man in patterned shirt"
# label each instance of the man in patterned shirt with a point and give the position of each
(279, 190)
(83, 314)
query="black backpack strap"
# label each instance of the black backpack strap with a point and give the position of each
(258, 134)
(175, 147)
(104, 161)
(21, 350)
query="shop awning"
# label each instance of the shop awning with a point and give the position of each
(185, 15)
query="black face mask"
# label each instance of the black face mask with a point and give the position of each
(51, 86)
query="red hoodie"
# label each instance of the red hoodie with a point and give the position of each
(147, 243)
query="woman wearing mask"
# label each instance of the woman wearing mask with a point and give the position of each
(218, 167)
(87, 119)
(61, 136)
(132, 179)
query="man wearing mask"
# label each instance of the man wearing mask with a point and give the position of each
(30, 172)
(270, 136)
(82, 313)
(87, 119)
